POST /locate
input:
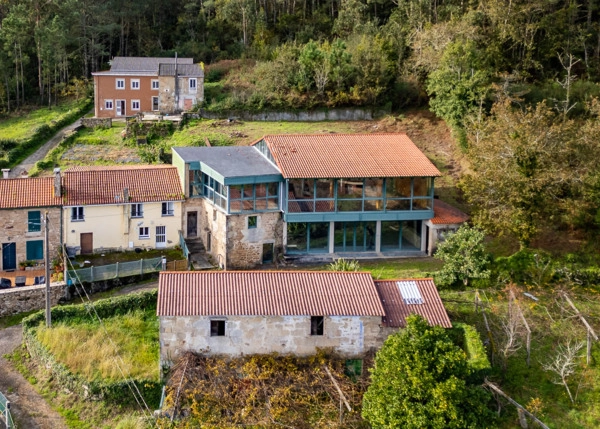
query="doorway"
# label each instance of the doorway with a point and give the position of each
(120, 107)
(9, 256)
(192, 224)
(86, 241)
(161, 237)
(267, 254)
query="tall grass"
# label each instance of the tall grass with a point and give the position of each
(86, 349)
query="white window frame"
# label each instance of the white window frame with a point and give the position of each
(168, 208)
(77, 214)
(161, 237)
(143, 232)
(193, 84)
(137, 210)
(108, 105)
(133, 103)
(155, 84)
(120, 81)
(134, 84)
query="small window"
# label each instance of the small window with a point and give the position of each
(214, 215)
(252, 222)
(135, 104)
(108, 104)
(34, 250)
(144, 232)
(34, 221)
(155, 84)
(217, 328)
(135, 84)
(167, 208)
(193, 84)
(120, 83)
(137, 210)
(316, 325)
(77, 213)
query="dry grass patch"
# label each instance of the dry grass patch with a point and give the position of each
(86, 348)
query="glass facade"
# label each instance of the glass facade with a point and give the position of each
(401, 235)
(258, 197)
(359, 195)
(306, 237)
(354, 236)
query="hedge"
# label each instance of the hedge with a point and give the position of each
(469, 340)
(41, 135)
(117, 392)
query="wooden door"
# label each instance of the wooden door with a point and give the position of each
(192, 224)
(86, 241)
(9, 256)
(188, 103)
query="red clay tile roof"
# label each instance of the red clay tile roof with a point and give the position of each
(27, 192)
(104, 185)
(396, 310)
(267, 293)
(348, 155)
(445, 214)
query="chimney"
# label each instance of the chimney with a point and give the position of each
(57, 184)
(5, 172)
(125, 195)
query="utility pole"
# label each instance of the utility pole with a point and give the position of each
(47, 265)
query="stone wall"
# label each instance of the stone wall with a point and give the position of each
(14, 228)
(350, 336)
(96, 122)
(29, 298)
(245, 245)
(340, 114)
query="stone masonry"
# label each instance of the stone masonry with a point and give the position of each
(29, 298)
(350, 336)
(14, 229)
(245, 245)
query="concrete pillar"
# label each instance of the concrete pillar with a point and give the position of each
(378, 236)
(331, 237)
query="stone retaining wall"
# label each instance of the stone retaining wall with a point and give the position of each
(349, 114)
(29, 298)
(96, 122)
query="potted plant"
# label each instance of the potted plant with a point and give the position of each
(22, 265)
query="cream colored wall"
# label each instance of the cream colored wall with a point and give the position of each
(114, 229)
(350, 336)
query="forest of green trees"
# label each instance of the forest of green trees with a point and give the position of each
(315, 52)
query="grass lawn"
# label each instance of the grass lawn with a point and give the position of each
(87, 349)
(21, 125)
(96, 260)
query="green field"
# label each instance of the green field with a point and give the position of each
(22, 126)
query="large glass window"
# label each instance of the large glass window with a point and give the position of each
(308, 237)
(212, 189)
(354, 236)
(258, 197)
(399, 235)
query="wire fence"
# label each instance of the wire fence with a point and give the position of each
(5, 415)
(125, 269)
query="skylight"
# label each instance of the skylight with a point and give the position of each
(410, 292)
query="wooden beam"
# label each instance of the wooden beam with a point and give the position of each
(515, 403)
(590, 330)
(337, 387)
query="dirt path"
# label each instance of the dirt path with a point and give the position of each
(41, 153)
(29, 409)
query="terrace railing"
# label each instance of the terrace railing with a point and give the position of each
(124, 269)
(5, 415)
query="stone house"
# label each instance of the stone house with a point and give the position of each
(24, 203)
(309, 197)
(446, 219)
(121, 207)
(143, 84)
(234, 313)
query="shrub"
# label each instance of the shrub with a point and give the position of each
(342, 264)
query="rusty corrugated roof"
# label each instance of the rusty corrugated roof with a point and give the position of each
(348, 155)
(445, 214)
(105, 185)
(267, 293)
(396, 310)
(28, 192)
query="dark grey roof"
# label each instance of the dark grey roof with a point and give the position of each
(143, 64)
(193, 70)
(229, 161)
